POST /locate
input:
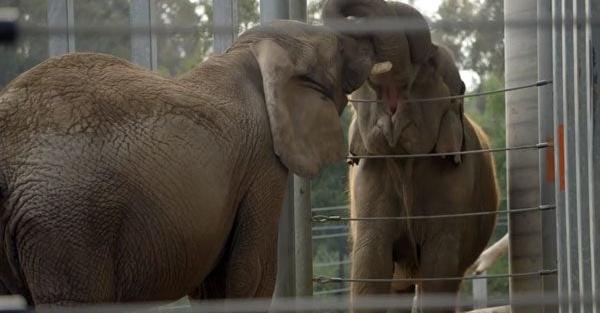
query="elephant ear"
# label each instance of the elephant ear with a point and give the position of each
(305, 126)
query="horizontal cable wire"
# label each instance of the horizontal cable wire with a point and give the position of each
(470, 95)
(373, 25)
(330, 227)
(330, 236)
(345, 207)
(333, 291)
(327, 280)
(329, 264)
(327, 304)
(323, 218)
(429, 155)
(331, 208)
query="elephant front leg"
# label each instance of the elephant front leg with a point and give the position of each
(371, 259)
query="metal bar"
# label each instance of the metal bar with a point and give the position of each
(303, 237)
(480, 292)
(61, 17)
(569, 155)
(327, 280)
(331, 208)
(428, 155)
(225, 12)
(323, 218)
(581, 155)
(298, 10)
(274, 10)
(471, 95)
(561, 237)
(286, 268)
(546, 157)
(521, 53)
(143, 43)
(342, 235)
(592, 77)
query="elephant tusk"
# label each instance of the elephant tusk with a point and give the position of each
(381, 68)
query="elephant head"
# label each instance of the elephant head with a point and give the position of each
(415, 126)
(405, 48)
(307, 71)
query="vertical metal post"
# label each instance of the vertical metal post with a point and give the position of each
(226, 24)
(559, 179)
(274, 10)
(302, 206)
(546, 157)
(521, 53)
(286, 266)
(61, 22)
(570, 180)
(303, 237)
(298, 10)
(286, 274)
(143, 41)
(480, 292)
(592, 79)
(581, 155)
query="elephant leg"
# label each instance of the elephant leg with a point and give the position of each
(439, 260)
(401, 288)
(372, 241)
(248, 268)
(371, 259)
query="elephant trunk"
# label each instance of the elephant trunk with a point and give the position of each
(402, 48)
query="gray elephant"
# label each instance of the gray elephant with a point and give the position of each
(408, 250)
(120, 185)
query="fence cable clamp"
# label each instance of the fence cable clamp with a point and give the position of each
(543, 145)
(547, 207)
(324, 218)
(322, 280)
(548, 272)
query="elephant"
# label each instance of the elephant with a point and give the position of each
(121, 185)
(403, 252)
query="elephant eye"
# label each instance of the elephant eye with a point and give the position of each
(313, 84)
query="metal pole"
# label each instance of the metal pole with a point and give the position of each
(521, 53)
(60, 17)
(273, 10)
(480, 292)
(225, 16)
(559, 179)
(286, 267)
(546, 157)
(592, 78)
(298, 10)
(286, 274)
(302, 206)
(581, 154)
(143, 44)
(569, 156)
(303, 237)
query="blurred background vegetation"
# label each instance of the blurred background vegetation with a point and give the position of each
(480, 56)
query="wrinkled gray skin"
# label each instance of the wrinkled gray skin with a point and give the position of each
(120, 185)
(413, 187)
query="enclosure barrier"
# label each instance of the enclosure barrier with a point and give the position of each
(552, 184)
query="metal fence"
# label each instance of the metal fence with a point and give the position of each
(554, 251)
